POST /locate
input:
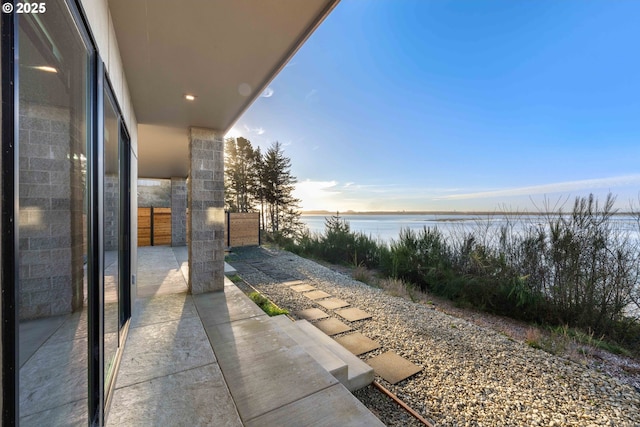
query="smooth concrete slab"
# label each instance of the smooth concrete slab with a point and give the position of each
(314, 295)
(261, 363)
(247, 341)
(353, 314)
(302, 288)
(329, 361)
(357, 343)
(334, 403)
(392, 367)
(360, 374)
(292, 283)
(225, 306)
(164, 348)
(264, 381)
(311, 314)
(227, 332)
(195, 397)
(332, 326)
(333, 303)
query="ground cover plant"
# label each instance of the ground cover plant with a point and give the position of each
(574, 269)
(267, 306)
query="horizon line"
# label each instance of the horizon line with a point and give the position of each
(437, 212)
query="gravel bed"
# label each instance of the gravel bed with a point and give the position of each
(471, 376)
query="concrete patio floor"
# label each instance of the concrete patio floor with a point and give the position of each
(217, 359)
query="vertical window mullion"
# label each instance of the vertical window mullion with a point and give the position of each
(96, 257)
(9, 226)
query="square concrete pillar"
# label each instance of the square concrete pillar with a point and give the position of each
(52, 222)
(206, 211)
(178, 211)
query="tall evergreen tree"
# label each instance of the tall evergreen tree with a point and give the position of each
(282, 215)
(259, 194)
(241, 175)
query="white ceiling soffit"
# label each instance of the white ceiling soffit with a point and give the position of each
(225, 52)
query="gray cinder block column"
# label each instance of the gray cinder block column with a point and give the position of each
(206, 211)
(52, 237)
(178, 211)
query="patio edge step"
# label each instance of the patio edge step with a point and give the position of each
(327, 359)
(359, 373)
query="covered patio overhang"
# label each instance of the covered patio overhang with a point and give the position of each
(223, 52)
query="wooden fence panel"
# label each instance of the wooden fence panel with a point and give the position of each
(144, 226)
(161, 226)
(243, 229)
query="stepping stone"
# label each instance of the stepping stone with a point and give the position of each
(357, 343)
(312, 314)
(302, 288)
(333, 303)
(292, 282)
(392, 367)
(353, 314)
(279, 277)
(332, 326)
(314, 295)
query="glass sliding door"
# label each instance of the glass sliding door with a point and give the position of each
(116, 231)
(112, 235)
(71, 181)
(55, 74)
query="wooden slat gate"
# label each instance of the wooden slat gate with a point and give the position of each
(144, 226)
(154, 226)
(243, 229)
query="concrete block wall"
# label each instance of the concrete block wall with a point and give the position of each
(206, 211)
(52, 237)
(178, 211)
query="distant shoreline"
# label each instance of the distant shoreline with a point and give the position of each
(483, 213)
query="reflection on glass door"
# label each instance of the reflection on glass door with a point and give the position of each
(112, 243)
(54, 77)
(125, 230)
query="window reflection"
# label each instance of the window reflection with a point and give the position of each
(111, 236)
(53, 137)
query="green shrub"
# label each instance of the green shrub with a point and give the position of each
(267, 306)
(573, 268)
(235, 278)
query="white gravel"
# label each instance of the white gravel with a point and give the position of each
(471, 376)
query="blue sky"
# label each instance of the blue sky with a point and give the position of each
(459, 105)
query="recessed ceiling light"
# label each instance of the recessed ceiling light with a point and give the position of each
(190, 97)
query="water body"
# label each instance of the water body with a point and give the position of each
(386, 227)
